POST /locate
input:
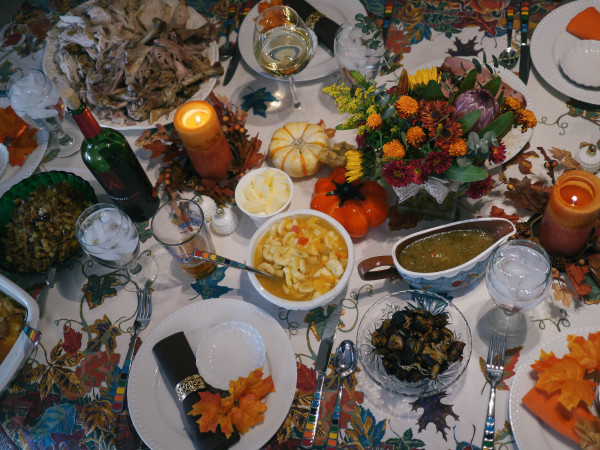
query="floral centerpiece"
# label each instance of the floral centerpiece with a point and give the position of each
(432, 130)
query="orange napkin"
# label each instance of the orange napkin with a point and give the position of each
(547, 408)
(586, 24)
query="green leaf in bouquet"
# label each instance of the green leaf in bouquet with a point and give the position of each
(433, 91)
(501, 125)
(388, 112)
(469, 119)
(468, 81)
(493, 86)
(466, 174)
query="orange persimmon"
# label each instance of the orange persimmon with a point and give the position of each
(358, 206)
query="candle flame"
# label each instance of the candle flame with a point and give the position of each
(198, 119)
(574, 200)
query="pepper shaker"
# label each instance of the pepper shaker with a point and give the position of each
(224, 221)
(589, 157)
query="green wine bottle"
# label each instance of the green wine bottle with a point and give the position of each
(109, 157)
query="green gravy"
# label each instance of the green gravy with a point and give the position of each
(444, 251)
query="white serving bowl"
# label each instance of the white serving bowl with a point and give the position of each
(306, 304)
(581, 63)
(259, 219)
(15, 359)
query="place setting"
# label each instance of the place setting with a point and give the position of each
(299, 224)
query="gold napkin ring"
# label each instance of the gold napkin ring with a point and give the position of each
(188, 385)
(313, 18)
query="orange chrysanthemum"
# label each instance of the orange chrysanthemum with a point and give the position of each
(406, 106)
(374, 121)
(526, 119)
(458, 148)
(415, 136)
(394, 149)
(511, 104)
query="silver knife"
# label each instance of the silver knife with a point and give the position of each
(232, 64)
(525, 62)
(310, 426)
(237, 55)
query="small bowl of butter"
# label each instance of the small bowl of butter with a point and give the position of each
(263, 193)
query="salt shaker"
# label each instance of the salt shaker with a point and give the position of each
(224, 221)
(589, 157)
(208, 206)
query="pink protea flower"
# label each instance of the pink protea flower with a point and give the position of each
(472, 100)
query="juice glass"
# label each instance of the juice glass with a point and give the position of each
(180, 227)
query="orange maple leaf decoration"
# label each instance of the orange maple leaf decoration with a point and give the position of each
(16, 135)
(241, 410)
(24, 145)
(570, 375)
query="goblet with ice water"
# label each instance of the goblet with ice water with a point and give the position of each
(110, 238)
(354, 49)
(32, 94)
(518, 278)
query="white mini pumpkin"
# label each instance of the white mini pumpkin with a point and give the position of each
(295, 148)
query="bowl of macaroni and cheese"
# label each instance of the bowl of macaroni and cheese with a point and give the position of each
(309, 253)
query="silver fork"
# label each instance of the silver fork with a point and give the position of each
(494, 369)
(142, 320)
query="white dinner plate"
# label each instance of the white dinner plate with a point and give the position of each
(52, 70)
(323, 62)
(550, 39)
(153, 410)
(14, 174)
(530, 432)
(514, 139)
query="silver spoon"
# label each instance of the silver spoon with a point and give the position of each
(344, 362)
(227, 50)
(509, 56)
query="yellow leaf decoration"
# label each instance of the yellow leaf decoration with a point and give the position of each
(587, 352)
(249, 413)
(572, 375)
(240, 410)
(566, 376)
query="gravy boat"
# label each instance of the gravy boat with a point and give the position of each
(445, 280)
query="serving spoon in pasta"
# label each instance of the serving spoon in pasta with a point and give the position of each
(211, 257)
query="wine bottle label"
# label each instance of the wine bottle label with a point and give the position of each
(116, 188)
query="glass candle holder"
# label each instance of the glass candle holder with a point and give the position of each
(570, 213)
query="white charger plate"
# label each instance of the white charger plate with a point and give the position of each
(514, 139)
(14, 174)
(323, 62)
(196, 20)
(550, 40)
(530, 432)
(153, 410)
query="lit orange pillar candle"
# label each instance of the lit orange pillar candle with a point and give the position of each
(571, 213)
(203, 138)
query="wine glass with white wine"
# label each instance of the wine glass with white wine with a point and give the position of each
(283, 45)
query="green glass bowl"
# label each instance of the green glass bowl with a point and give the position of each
(22, 190)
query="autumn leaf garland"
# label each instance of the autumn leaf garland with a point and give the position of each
(241, 410)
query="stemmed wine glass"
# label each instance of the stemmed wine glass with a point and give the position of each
(33, 94)
(354, 49)
(110, 238)
(283, 45)
(518, 278)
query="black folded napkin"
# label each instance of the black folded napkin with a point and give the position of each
(177, 363)
(323, 27)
